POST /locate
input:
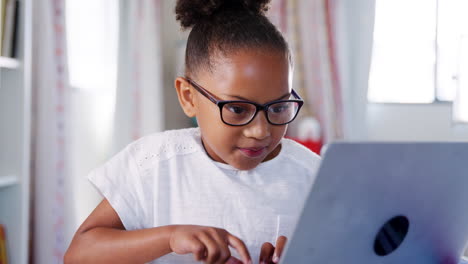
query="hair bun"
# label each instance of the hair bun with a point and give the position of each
(191, 12)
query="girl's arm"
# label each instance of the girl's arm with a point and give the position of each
(102, 238)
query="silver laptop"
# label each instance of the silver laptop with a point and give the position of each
(385, 203)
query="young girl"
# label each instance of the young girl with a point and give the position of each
(228, 191)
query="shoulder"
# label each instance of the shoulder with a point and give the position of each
(302, 156)
(165, 145)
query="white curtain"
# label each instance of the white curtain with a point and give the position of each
(332, 46)
(84, 113)
(354, 27)
(308, 26)
(139, 107)
(318, 74)
(51, 99)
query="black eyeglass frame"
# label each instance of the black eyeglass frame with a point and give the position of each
(259, 107)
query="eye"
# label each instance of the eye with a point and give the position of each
(279, 108)
(236, 109)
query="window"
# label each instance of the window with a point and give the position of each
(460, 108)
(92, 37)
(92, 28)
(417, 54)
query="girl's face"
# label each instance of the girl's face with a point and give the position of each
(259, 77)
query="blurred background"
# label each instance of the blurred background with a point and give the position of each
(80, 79)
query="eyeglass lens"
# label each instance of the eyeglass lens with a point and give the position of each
(238, 113)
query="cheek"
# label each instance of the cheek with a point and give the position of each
(278, 132)
(206, 110)
(208, 118)
(220, 136)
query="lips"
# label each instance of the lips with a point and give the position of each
(253, 152)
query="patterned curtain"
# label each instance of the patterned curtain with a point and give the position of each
(69, 134)
(50, 128)
(139, 107)
(308, 26)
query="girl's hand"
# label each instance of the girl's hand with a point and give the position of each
(269, 254)
(208, 244)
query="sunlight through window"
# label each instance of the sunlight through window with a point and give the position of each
(92, 30)
(402, 69)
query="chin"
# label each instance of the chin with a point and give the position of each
(246, 166)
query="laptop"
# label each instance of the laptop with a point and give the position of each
(385, 203)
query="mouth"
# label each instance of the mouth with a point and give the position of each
(253, 152)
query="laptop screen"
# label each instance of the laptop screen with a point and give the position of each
(385, 203)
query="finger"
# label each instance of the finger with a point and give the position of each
(197, 248)
(212, 249)
(266, 253)
(233, 260)
(280, 244)
(240, 247)
(223, 245)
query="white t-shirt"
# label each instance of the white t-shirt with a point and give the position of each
(167, 178)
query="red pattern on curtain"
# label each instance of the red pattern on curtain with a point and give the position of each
(60, 86)
(330, 7)
(139, 103)
(136, 74)
(309, 28)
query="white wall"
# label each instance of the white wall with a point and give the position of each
(413, 122)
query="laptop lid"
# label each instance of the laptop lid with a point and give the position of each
(385, 203)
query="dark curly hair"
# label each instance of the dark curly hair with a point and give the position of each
(225, 26)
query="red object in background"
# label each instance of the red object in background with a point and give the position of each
(313, 145)
(3, 254)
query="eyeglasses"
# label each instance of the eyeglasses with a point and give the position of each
(240, 113)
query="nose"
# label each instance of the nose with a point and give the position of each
(258, 128)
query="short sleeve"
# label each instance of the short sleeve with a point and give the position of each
(119, 182)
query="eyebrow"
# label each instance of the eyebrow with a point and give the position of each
(245, 99)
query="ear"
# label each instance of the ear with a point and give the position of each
(186, 96)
